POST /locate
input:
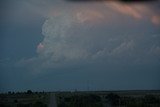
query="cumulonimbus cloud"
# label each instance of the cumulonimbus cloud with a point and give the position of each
(84, 35)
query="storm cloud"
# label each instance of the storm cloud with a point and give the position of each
(109, 32)
(91, 35)
(66, 45)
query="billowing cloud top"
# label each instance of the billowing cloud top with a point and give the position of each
(109, 32)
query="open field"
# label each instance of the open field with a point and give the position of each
(24, 100)
(109, 99)
(82, 99)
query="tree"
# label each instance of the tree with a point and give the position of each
(29, 92)
(9, 92)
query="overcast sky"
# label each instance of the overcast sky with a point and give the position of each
(56, 45)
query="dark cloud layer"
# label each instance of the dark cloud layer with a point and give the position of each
(124, 1)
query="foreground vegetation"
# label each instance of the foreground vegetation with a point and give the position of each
(82, 99)
(109, 99)
(24, 99)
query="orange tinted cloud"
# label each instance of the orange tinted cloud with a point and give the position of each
(156, 20)
(124, 9)
(40, 47)
(89, 16)
(95, 13)
(137, 11)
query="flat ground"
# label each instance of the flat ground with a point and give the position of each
(82, 99)
(109, 99)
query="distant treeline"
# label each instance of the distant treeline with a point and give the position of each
(27, 92)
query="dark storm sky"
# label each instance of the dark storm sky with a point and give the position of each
(62, 45)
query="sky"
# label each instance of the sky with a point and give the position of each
(66, 45)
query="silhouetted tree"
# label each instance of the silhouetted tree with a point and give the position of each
(9, 92)
(29, 92)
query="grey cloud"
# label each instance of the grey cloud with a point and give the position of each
(69, 41)
(85, 43)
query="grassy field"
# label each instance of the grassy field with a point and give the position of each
(82, 99)
(109, 99)
(24, 100)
